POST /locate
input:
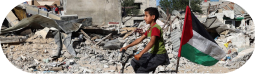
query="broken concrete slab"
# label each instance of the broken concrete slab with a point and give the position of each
(27, 21)
(43, 32)
(15, 39)
(72, 25)
(213, 23)
(229, 13)
(69, 44)
(113, 44)
(66, 26)
(58, 41)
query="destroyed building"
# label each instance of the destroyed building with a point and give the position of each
(103, 11)
(141, 5)
(84, 40)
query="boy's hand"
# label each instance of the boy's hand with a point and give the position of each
(137, 56)
(140, 31)
(123, 48)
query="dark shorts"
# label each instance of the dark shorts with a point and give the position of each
(149, 62)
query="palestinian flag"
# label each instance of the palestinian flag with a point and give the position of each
(196, 43)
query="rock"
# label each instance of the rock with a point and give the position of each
(97, 40)
(92, 57)
(67, 55)
(175, 53)
(87, 71)
(36, 61)
(113, 44)
(111, 71)
(45, 51)
(160, 68)
(11, 47)
(243, 55)
(71, 62)
(106, 66)
(170, 55)
(88, 41)
(19, 59)
(56, 69)
(98, 69)
(80, 55)
(23, 58)
(60, 59)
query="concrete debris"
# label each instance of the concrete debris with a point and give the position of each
(58, 41)
(43, 32)
(66, 44)
(69, 44)
(113, 44)
(13, 39)
(229, 13)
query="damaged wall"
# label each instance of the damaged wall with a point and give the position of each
(101, 11)
(143, 5)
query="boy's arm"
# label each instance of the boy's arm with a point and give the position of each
(134, 42)
(137, 41)
(148, 46)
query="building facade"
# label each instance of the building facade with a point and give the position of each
(130, 21)
(101, 11)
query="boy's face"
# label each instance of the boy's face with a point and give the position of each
(148, 18)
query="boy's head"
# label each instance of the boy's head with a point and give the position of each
(55, 5)
(151, 14)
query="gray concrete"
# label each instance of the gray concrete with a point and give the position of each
(101, 11)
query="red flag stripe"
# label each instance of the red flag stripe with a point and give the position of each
(187, 32)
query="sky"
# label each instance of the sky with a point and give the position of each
(157, 2)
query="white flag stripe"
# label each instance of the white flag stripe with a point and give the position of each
(206, 46)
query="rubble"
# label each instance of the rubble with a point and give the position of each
(13, 39)
(67, 44)
(43, 32)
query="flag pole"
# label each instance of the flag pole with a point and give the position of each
(177, 65)
(181, 41)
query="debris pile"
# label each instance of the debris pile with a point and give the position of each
(43, 44)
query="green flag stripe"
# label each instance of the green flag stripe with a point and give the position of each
(206, 46)
(197, 56)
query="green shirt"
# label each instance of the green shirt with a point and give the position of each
(159, 46)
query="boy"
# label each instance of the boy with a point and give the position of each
(56, 9)
(146, 62)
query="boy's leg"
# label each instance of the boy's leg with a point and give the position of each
(136, 64)
(153, 63)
